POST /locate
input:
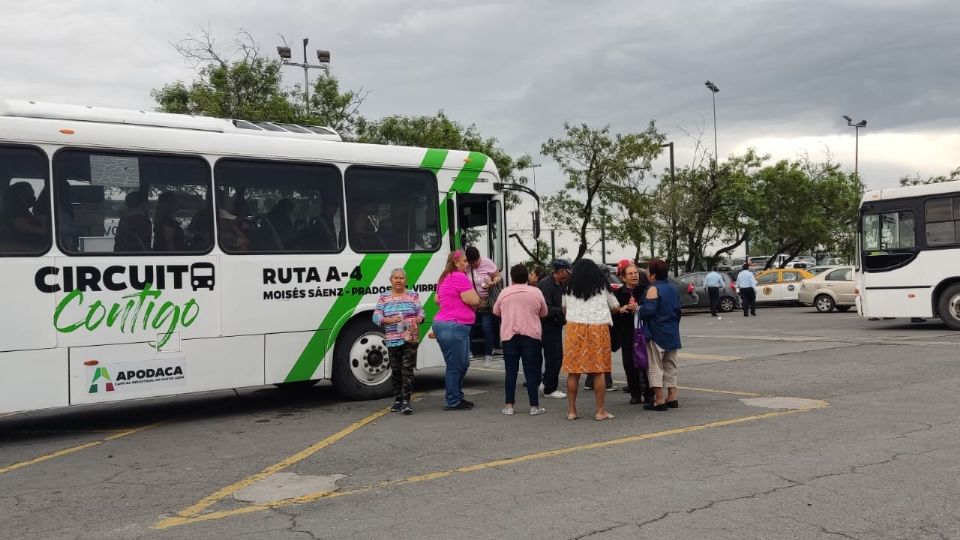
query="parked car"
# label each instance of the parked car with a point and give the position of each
(780, 284)
(833, 288)
(729, 299)
(817, 270)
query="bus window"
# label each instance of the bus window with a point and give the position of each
(131, 203)
(274, 207)
(942, 221)
(888, 239)
(24, 201)
(392, 210)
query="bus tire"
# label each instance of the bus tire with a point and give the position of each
(824, 303)
(948, 306)
(361, 367)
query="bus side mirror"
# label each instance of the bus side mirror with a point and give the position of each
(536, 223)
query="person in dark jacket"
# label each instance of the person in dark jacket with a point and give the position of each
(661, 313)
(630, 296)
(553, 288)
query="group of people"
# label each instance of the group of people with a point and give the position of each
(570, 320)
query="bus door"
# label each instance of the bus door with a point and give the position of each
(480, 223)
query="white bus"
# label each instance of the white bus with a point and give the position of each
(146, 254)
(909, 253)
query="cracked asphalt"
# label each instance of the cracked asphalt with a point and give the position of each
(881, 460)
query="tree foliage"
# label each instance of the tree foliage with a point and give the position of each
(440, 131)
(243, 84)
(602, 171)
(916, 180)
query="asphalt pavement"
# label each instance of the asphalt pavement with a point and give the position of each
(792, 424)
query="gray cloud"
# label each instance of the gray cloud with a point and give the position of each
(519, 69)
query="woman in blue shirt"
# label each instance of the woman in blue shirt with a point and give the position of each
(661, 313)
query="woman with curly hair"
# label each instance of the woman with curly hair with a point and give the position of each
(586, 344)
(458, 302)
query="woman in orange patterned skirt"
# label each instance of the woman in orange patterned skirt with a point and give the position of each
(586, 344)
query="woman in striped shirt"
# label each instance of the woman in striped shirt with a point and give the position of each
(399, 313)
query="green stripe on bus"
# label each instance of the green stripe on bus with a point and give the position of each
(434, 159)
(472, 167)
(341, 310)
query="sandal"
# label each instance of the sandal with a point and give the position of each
(571, 416)
(606, 416)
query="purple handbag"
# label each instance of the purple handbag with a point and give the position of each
(640, 360)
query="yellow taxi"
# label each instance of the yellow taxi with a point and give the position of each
(780, 284)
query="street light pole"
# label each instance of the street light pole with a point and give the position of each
(856, 147)
(713, 94)
(322, 56)
(673, 223)
(534, 167)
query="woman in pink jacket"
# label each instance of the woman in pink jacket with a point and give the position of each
(520, 307)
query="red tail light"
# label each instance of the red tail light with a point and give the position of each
(733, 286)
(690, 288)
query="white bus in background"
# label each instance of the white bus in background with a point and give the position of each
(147, 254)
(909, 253)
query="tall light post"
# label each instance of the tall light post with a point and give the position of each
(713, 94)
(322, 56)
(856, 148)
(673, 223)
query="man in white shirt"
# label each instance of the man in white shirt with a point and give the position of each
(747, 284)
(713, 282)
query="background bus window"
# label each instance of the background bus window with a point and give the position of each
(131, 203)
(272, 207)
(496, 233)
(889, 239)
(942, 221)
(24, 201)
(392, 210)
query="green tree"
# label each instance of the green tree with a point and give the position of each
(247, 86)
(439, 131)
(917, 180)
(601, 169)
(806, 206)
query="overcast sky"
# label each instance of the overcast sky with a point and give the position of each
(787, 70)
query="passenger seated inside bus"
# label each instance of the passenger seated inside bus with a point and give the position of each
(232, 236)
(134, 230)
(365, 231)
(20, 229)
(280, 222)
(168, 234)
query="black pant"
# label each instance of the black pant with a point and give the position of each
(748, 295)
(403, 361)
(552, 356)
(636, 379)
(714, 293)
(523, 349)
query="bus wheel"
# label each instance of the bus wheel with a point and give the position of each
(361, 367)
(823, 303)
(948, 305)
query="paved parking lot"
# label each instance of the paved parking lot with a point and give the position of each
(869, 450)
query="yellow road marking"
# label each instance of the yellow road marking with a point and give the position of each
(79, 447)
(220, 494)
(181, 519)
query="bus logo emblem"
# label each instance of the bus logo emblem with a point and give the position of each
(101, 374)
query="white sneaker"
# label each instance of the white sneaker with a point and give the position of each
(556, 394)
(487, 360)
(534, 411)
(507, 411)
